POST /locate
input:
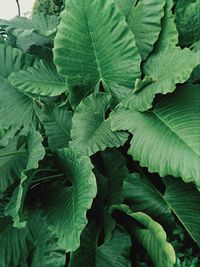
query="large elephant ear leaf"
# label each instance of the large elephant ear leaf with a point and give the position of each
(152, 237)
(91, 131)
(89, 254)
(164, 75)
(66, 206)
(88, 55)
(42, 79)
(146, 18)
(161, 135)
(184, 200)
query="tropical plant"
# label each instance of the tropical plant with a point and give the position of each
(99, 136)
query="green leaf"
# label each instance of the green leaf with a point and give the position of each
(66, 206)
(195, 77)
(152, 237)
(115, 171)
(99, 49)
(33, 245)
(42, 79)
(89, 254)
(145, 23)
(166, 139)
(45, 24)
(187, 21)
(169, 35)
(143, 196)
(126, 6)
(164, 74)
(35, 153)
(16, 108)
(91, 132)
(46, 252)
(15, 244)
(38, 30)
(12, 60)
(57, 122)
(12, 161)
(184, 200)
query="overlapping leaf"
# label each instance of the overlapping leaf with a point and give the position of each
(57, 123)
(115, 171)
(35, 152)
(89, 254)
(166, 139)
(38, 30)
(164, 75)
(138, 191)
(46, 252)
(91, 131)
(15, 243)
(12, 161)
(187, 20)
(42, 79)
(126, 6)
(12, 60)
(16, 108)
(144, 20)
(168, 36)
(152, 237)
(99, 49)
(184, 200)
(34, 244)
(66, 206)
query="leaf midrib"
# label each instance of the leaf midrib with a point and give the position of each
(94, 48)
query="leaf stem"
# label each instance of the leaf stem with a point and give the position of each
(12, 154)
(18, 7)
(47, 178)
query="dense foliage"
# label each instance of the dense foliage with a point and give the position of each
(99, 136)
(49, 7)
